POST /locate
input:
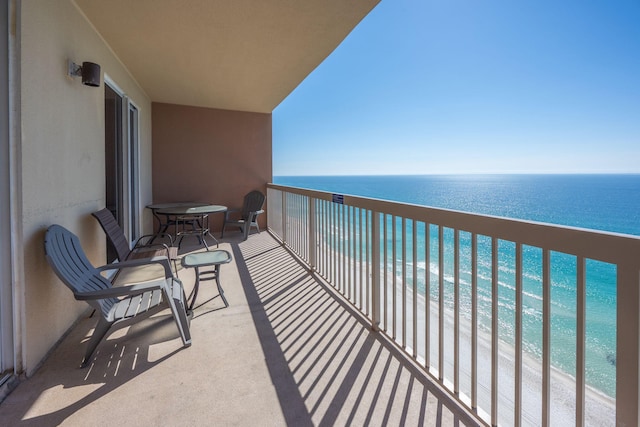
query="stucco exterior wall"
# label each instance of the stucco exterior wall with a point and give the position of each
(62, 160)
(204, 154)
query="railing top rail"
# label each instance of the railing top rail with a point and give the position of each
(615, 248)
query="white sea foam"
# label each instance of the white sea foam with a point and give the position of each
(600, 408)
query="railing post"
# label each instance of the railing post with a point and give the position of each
(284, 217)
(628, 347)
(375, 271)
(312, 233)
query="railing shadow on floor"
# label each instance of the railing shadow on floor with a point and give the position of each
(327, 366)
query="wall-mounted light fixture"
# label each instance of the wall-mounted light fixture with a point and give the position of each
(89, 72)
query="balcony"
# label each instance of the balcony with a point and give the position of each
(288, 350)
(321, 331)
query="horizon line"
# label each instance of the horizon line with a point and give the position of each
(458, 174)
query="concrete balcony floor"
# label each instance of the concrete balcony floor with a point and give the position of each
(287, 351)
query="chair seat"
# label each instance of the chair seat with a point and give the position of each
(131, 307)
(149, 252)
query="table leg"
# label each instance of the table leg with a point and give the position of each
(220, 290)
(196, 286)
(206, 231)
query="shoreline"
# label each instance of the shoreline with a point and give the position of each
(599, 407)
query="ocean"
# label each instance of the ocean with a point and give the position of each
(600, 202)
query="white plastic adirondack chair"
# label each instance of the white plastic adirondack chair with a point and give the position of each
(246, 217)
(121, 305)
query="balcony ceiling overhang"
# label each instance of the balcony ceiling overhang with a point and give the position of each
(245, 55)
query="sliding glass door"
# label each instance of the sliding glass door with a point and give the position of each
(113, 154)
(121, 162)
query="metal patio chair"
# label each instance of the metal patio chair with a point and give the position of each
(144, 246)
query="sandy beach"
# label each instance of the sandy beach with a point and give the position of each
(600, 409)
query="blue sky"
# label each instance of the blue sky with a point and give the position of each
(471, 86)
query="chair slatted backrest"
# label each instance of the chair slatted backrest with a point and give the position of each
(253, 202)
(67, 258)
(114, 233)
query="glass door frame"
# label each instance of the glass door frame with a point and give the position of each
(128, 169)
(133, 170)
(8, 351)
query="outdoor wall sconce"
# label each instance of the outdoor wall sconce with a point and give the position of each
(89, 72)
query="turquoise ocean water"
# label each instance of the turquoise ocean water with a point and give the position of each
(600, 202)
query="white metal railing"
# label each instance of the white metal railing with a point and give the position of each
(434, 280)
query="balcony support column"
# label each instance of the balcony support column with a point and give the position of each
(628, 347)
(375, 271)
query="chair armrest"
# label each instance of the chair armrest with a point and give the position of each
(154, 247)
(230, 211)
(254, 214)
(162, 260)
(120, 291)
(141, 243)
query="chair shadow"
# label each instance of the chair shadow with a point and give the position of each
(120, 357)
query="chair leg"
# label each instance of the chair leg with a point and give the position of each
(99, 332)
(177, 301)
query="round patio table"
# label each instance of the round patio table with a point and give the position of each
(168, 221)
(195, 217)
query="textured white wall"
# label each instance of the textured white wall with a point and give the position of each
(62, 165)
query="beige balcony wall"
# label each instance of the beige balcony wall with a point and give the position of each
(204, 154)
(62, 169)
